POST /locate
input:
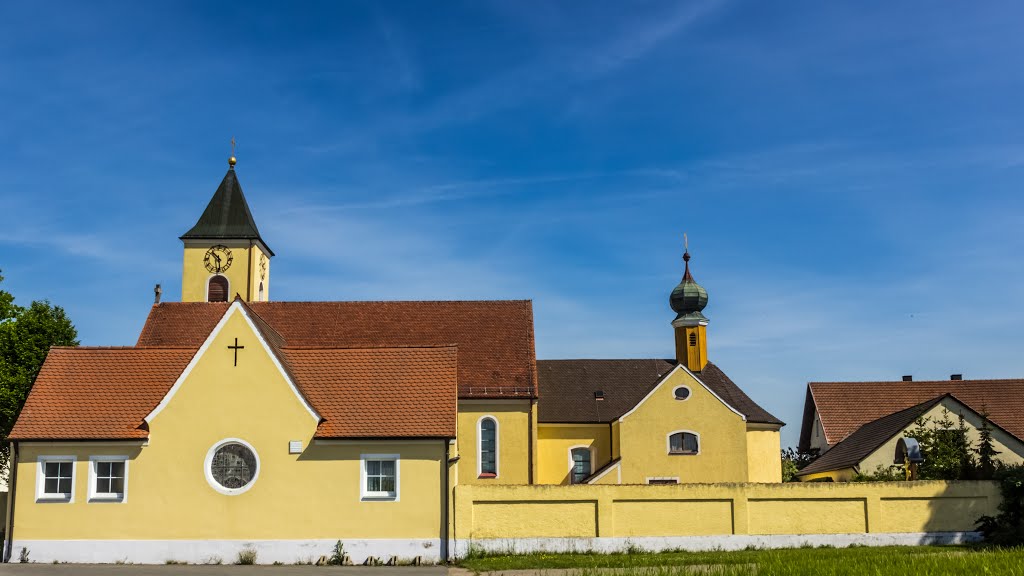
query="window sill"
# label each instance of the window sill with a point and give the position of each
(114, 498)
(684, 453)
(54, 498)
(487, 475)
(380, 497)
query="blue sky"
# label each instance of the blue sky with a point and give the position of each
(848, 174)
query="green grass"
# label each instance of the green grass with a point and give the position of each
(899, 560)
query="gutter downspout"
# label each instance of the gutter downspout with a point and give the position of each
(11, 487)
(445, 528)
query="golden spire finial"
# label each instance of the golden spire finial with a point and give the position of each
(232, 160)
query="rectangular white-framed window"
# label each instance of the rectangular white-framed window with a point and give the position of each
(108, 478)
(379, 477)
(55, 479)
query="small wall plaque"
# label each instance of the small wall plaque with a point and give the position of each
(295, 447)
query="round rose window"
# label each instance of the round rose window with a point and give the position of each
(232, 466)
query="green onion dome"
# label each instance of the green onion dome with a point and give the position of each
(688, 298)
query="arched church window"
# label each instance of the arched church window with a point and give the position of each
(581, 465)
(683, 443)
(488, 447)
(217, 291)
(693, 338)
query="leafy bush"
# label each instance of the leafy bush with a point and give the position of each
(795, 460)
(1007, 528)
(881, 474)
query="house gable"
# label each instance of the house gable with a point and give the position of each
(644, 432)
(236, 327)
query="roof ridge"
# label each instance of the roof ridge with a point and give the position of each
(121, 348)
(606, 360)
(913, 382)
(491, 301)
(409, 347)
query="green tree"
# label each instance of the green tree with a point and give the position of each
(794, 460)
(947, 450)
(986, 451)
(26, 335)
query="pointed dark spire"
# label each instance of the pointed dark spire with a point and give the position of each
(227, 215)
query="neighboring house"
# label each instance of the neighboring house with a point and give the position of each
(236, 421)
(855, 425)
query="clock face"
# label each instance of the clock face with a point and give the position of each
(218, 259)
(263, 266)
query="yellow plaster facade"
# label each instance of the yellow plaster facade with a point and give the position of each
(644, 432)
(311, 495)
(763, 456)
(516, 435)
(555, 441)
(792, 512)
(244, 276)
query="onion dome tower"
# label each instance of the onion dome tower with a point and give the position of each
(688, 300)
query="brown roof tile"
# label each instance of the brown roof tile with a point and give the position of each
(846, 406)
(495, 338)
(567, 388)
(379, 392)
(866, 439)
(98, 393)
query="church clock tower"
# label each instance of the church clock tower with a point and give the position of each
(224, 253)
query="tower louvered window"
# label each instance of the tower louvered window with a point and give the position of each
(218, 289)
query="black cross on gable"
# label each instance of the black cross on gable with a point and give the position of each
(236, 348)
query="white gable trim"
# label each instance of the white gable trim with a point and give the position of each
(694, 376)
(236, 305)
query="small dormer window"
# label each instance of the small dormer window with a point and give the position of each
(693, 338)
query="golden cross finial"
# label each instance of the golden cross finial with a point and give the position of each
(232, 160)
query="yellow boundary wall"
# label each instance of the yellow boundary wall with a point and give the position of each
(729, 516)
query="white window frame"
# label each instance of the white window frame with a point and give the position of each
(689, 393)
(479, 446)
(95, 496)
(364, 495)
(573, 464)
(209, 473)
(668, 444)
(41, 494)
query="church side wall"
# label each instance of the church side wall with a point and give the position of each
(718, 516)
(644, 436)
(764, 456)
(514, 437)
(556, 440)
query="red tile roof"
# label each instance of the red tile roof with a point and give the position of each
(106, 393)
(379, 392)
(495, 338)
(98, 393)
(843, 407)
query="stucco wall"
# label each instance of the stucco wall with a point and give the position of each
(514, 437)
(526, 518)
(764, 456)
(555, 440)
(643, 436)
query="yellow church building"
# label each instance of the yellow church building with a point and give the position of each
(238, 422)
